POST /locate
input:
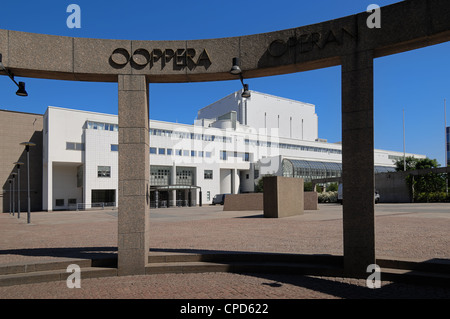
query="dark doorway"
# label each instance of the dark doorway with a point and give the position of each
(104, 196)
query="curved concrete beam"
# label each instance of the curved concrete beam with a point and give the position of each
(404, 26)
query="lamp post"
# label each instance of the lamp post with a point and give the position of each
(21, 85)
(236, 70)
(13, 178)
(10, 189)
(18, 187)
(27, 148)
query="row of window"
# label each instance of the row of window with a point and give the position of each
(102, 126)
(179, 152)
(207, 137)
(395, 157)
(225, 139)
(244, 156)
(192, 136)
(74, 146)
(162, 175)
(292, 146)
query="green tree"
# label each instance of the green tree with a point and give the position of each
(423, 184)
(430, 182)
(410, 164)
(259, 186)
(333, 187)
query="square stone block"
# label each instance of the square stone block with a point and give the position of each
(283, 196)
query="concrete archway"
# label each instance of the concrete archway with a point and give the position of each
(347, 41)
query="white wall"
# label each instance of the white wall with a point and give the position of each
(98, 153)
(64, 184)
(293, 119)
(227, 104)
(62, 126)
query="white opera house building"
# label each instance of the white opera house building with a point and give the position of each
(232, 143)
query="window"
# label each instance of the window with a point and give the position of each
(185, 153)
(208, 154)
(246, 157)
(104, 171)
(114, 148)
(162, 151)
(74, 146)
(193, 153)
(169, 151)
(102, 126)
(223, 155)
(72, 201)
(59, 202)
(152, 150)
(208, 174)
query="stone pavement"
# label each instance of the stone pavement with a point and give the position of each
(410, 231)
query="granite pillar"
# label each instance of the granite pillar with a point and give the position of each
(358, 163)
(134, 173)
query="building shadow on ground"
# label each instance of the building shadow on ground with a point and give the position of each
(65, 252)
(335, 287)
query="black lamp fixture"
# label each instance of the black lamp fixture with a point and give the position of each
(21, 85)
(236, 70)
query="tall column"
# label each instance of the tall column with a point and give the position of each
(134, 174)
(358, 163)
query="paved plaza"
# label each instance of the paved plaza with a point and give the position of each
(405, 231)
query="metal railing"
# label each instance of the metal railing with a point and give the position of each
(170, 203)
(92, 206)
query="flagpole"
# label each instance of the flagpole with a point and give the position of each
(404, 148)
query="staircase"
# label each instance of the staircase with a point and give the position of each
(433, 272)
(321, 265)
(45, 271)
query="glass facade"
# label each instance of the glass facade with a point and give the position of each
(185, 176)
(159, 175)
(309, 170)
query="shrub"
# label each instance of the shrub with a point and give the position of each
(432, 197)
(328, 197)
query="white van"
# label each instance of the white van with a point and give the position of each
(340, 193)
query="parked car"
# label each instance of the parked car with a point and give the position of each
(219, 199)
(341, 195)
(377, 197)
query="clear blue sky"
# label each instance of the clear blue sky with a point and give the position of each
(416, 81)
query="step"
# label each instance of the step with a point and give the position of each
(436, 265)
(54, 275)
(60, 264)
(26, 267)
(243, 267)
(168, 257)
(415, 277)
